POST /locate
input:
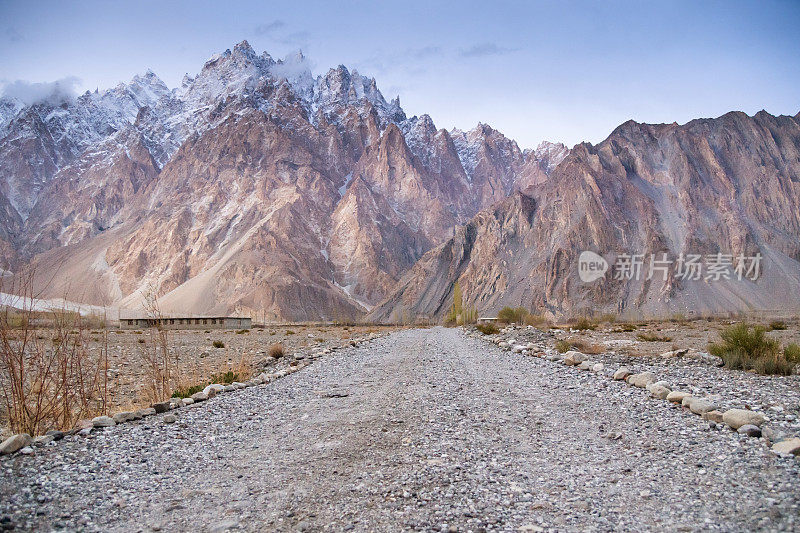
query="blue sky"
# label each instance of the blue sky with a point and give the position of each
(562, 71)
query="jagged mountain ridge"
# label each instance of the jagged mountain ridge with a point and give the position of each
(253, 187)
(729, 185)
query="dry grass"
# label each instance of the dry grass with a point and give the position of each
(575, 343)
(653, 337)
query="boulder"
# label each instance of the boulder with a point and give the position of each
(57, 435)
(103, 422)
(787, 447)
(675, 353)
(677, 396)
(641, 380)
(187, 401)
(713, 416)
(750, 430)
(572, 358)
(586, 365)
(147, 411)
(170, 418)
(162, 407)
(199, 396)
(659, 391)
(597, 367)
(123, 416)
(15, 443)
(216, 387)
(698, 405)
(664, 384)
(737, 418)
(622, 373)
(41, 440)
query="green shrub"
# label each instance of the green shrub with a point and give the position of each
(777, 325)
(748, 348)
(792, 353)
(185, 392)
(225, 378)
(584, 323)
(218, 344)
(626, 327)
(508, 315)
(562, 346)
(488, 328)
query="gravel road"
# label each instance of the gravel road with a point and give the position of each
(419, 430)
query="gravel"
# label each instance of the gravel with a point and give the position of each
(421, 430)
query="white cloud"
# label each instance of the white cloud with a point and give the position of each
(54, 92)
(294, 66)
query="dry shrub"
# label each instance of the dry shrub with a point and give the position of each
(537, 321)
(574, 343)
(48, 381)
(154, 354)
(276, 351)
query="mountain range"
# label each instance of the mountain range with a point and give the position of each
(257, 188)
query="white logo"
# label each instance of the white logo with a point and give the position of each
(591, 266)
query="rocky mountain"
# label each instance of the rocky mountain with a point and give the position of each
(253, 187)
(728, 186)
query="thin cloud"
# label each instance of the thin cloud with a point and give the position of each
(486, 49)
(14, 35)
(406, 59)
(53, 92)
(278, 31)
(269, 28)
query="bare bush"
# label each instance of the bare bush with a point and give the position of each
(154, 353)
(48, 376)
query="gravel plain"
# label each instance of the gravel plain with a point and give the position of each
(425, 429)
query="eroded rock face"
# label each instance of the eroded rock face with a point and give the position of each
(243, 190)
(729, 185)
